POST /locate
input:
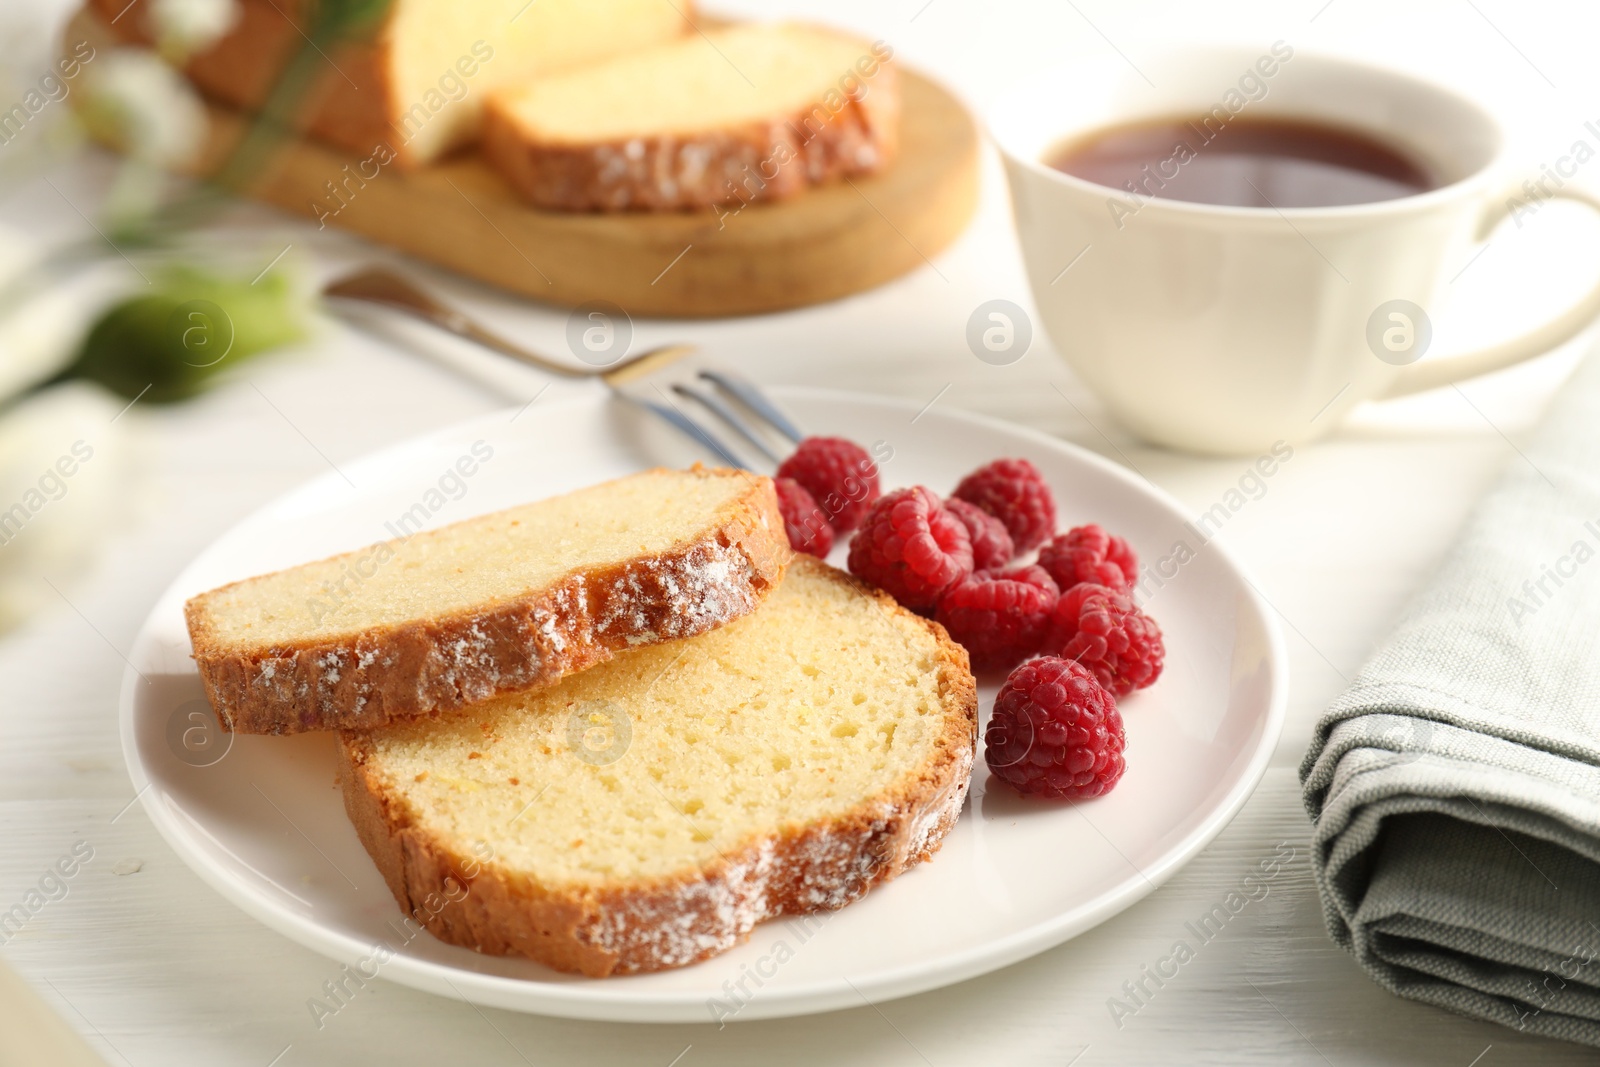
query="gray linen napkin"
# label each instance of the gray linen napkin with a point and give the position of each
(1455, 788)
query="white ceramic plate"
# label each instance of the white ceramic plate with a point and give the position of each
(261, 820)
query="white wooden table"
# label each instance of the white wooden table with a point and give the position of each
(157, 969)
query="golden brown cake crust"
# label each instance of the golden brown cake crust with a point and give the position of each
(626, 929)
(760, 161)
(363, 680)
(348, 102)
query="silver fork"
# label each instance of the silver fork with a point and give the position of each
(643, 380)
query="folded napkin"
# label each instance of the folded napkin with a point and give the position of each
(1455, 788)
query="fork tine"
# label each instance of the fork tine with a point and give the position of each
(689, 426)
(720, 408)
(746, 393)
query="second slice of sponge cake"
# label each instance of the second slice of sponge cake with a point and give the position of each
(743, 113)
(649, 812)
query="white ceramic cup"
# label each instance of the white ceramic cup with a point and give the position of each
(1226, 329)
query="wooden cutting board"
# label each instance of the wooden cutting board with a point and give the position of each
(824, 244)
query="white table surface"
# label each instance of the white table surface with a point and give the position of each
(154, 968)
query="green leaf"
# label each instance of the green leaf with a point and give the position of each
(170, 344)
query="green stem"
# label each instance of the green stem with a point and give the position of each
(335, 21)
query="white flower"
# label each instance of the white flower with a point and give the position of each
(142, 106)
(64, 484)
(183, 27)
(41, 327)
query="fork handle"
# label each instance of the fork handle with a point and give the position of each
(377, 286)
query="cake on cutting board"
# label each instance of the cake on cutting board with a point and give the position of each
(496, 604)
(844, 169)
(648, 812)
(416, 79)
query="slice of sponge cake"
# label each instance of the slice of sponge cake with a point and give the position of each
(497, 604)
(649, 812)
(737, 114)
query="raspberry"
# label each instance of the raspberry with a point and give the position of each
(1104, 631)
(838, 474)
(808, 528)
(1089, 554)
(1013, 491)
(1001, 618)
(911, 547)
(991, 544)
(1055, 732)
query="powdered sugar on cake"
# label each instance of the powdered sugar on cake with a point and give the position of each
(679, 594)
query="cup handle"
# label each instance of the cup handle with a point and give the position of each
(1432, 373)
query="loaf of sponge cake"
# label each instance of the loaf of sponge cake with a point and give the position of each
(416, 80)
